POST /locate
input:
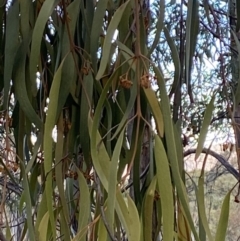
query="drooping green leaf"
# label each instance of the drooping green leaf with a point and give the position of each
(172, 153)
(43, 227)
(155, 107)
(28, 203)
(192, 28)
(84, 206)
(48, 142)
(70, 66)
(165, 187)
(109, 38)
(128, 216)
(147, 210)
(175, 58)
(44, 14)
(159, 27)
(11, 46)
(59, 175)
(223, 220)
(111, 200)
(20, 87)
(96, 30)
(201, 207)
(86, 96)
(204, 128)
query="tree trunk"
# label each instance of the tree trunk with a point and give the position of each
(235, 76)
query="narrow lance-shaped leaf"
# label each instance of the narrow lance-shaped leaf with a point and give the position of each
(171, 145)
(43, 227)
(48, 142)
(109, 38)
(28, 202)
(86, 96)
(113, 183)
(59, 175)
(69, 69)
(20, 87)
(96, 30)
(223, 220)
(156, 110)
(175, 58)
(160, 25)
(84, 206)
(130, 220)
(147, 210)
(201, 207)
(45, 12)
(165, 187)
(204, 128)
(11, 46)
(192, 28)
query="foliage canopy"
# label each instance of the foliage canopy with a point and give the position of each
(99, 100)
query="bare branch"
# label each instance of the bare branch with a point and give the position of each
(219, 157)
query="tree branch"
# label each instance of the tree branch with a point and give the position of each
(219, 157)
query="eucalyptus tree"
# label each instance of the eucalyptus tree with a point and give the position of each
(86, 98)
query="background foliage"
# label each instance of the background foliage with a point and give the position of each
(99, 102)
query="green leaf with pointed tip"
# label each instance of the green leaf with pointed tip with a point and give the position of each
(128, 215)
(44, 14)
(109, 38)
(43, 227)
(70, 66)
(159, 27)
(204, 128)
(147, 210)
(201, 207)
(172, 153)
(20, 87)
(223, 220)
(28, 202)
(156, 110)
(48, 141)
(84, 206)
(102, 231)
(42, 210)
(25, 7)
(112, 186)
(11, 46)
(102, 168)
(86, 97)
(98, 152)
(165, 188)
(192, 28)
(59, 175)
(133, 221)
(96, 30)
(175, 58)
